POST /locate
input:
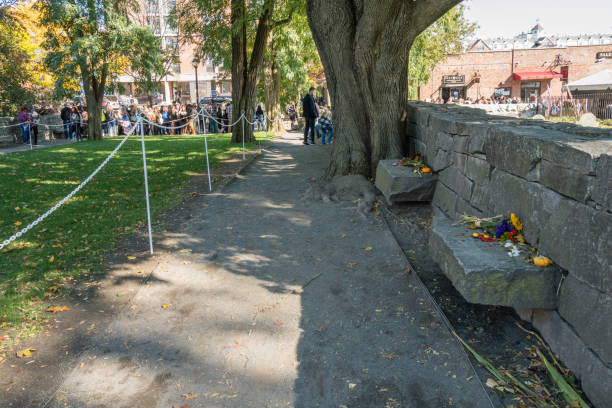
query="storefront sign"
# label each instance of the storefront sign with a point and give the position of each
(530, 85)
(604, 54)
(502, 91)
(453, 79)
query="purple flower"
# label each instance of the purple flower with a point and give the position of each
(502, 228)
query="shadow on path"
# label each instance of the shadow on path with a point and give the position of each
(239, 330)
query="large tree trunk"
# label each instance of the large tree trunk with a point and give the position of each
(364, 48)
(94, 94)
(245, 72)
(272, 90)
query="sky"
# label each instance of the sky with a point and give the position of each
(508, 18)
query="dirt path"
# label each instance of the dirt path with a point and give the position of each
(260, 299)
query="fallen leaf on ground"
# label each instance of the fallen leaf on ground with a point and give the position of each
(165, 305)
(351, 386)
(25, 353)
(185, 250)
(56, 309)
(3, 338)
(52, 258)
(491, 383)
(54, 288)
(351, 264)
(190, 395)
(57, 246)
(278, 323)
(182, 406)
(131, 258)
(17, 223)
(368, 248)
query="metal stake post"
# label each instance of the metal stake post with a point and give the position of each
(243, 124)
(144, 164)
(206, 147)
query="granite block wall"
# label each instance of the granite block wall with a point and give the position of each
(558, 179)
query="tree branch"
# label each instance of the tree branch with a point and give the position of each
(283, 21)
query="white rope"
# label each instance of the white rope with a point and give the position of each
(220, 123)
(65, 199)
(14, 125)
(146, 179)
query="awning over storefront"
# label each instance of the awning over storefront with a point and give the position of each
(530, 76)
(600, 81)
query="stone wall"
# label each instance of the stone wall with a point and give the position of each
(558, 179)
(13, 134)
(8, 135)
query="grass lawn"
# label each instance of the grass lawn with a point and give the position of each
(73, 241)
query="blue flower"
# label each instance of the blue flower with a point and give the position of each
(502, 228)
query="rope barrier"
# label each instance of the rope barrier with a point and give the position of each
(146, 179)
(65, 199)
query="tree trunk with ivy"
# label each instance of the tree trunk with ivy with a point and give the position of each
(364, 48)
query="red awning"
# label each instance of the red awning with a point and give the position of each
(530, 76)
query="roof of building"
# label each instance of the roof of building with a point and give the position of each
(537, 39)
(602, 80)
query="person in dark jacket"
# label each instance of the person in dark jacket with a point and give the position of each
(310, 116)
(65, 115)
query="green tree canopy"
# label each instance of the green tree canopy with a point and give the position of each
(92, 41)
(14, 59)
(443, 37)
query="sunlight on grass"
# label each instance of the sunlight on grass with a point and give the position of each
(74, 241)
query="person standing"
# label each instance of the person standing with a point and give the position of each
(24, 119)
(34, 126)
(310, 115)
(326, 126)
(65, 115)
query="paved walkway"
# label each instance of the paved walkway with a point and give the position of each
(240, 330)
(25, 147)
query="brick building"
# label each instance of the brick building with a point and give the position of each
(180, 82)
(523, 67)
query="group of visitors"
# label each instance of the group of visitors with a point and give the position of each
(75, 119)
(219, 117)
(317, 120)
(499, 99)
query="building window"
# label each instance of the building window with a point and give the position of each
(176, 68)
(564, 72)
(151, 7)
(530, 92)
(172, 44)
(153, 22)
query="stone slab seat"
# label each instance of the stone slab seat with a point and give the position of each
(402, 184)
(484, 273)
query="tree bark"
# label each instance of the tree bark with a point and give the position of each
(94, 94)
(245, 71)
(272, 90)
(364, 48)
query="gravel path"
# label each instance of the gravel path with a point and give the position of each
(261, 299)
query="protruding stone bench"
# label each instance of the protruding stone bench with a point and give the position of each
(402, 184)
(484, 273)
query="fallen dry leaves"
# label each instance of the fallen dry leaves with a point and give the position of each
(57, 309)
(166, 305)
(190, 395)
(278, 323)
(25, 352)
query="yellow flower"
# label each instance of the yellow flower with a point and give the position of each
(516, 222)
